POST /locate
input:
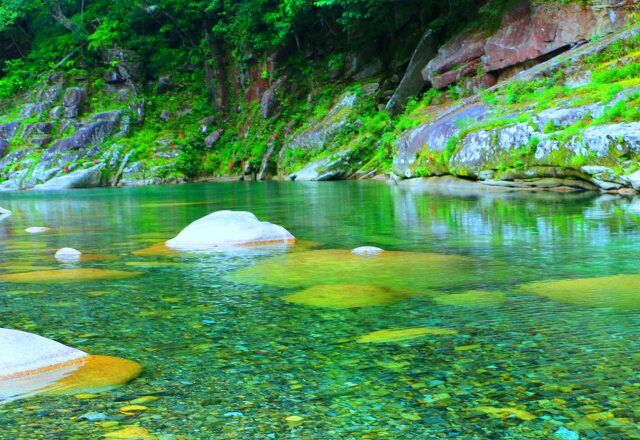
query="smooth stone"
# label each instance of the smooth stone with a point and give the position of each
(37, 229)
(93, 417)
(566, 434)
(4, 211)
(68, 255)
(224, 229)
(23, 352)
(367, 251)
(31, 364)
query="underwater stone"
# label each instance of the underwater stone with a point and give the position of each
(566, 434)
(398, 335)
(347, 296)
(619, 292)
(66, 255)
(229, 229)
(414, 271)
(68, 276)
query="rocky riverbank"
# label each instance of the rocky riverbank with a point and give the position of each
(548, 100)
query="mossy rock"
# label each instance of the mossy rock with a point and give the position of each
(347, 296)
(68, 276)
(418, 272)
(618, 292)
(399, 335)
(473, 298)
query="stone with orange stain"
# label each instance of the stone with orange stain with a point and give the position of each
(225, 229)
(32, 365)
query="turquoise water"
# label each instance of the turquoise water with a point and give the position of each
(234, 359)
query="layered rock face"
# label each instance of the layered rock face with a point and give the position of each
(529, 32)
(569, 142)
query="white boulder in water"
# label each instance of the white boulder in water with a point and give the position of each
(68, 255)
(4, 211)
(23, 353)
(37, 230)
(367, 251)
(228, 229)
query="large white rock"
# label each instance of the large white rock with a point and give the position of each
(4, 211)
(37, 229)
(68, 255)
(21, 353)
(367, 251)
(228, 229)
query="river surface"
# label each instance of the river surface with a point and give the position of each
(230, 350)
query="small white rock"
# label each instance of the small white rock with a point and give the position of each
(367, 251)
(68, 255)
(4, 211)
(37, 230)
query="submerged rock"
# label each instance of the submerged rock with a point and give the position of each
(417, 272)
(620, 292)
(229, 229)
(473, 298)
(68, 276)
(347, 296)
(31, 364)
(66, 255)
(398, 335)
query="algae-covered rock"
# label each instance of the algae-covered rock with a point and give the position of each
(229, 229)
(418, 272)
(68, 276)
(398, 335)
(506, 412)
(473, 298)
(346, 296)
(620, 291)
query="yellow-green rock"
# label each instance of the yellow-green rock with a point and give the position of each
(397, 335)
(506, 412)
(130, 432)
(68, 276)
(619, 292)
(346, 296)
(418, 272)
(473, 298)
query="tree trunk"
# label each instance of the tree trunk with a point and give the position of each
(56, 12)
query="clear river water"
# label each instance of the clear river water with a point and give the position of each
(521, 313)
